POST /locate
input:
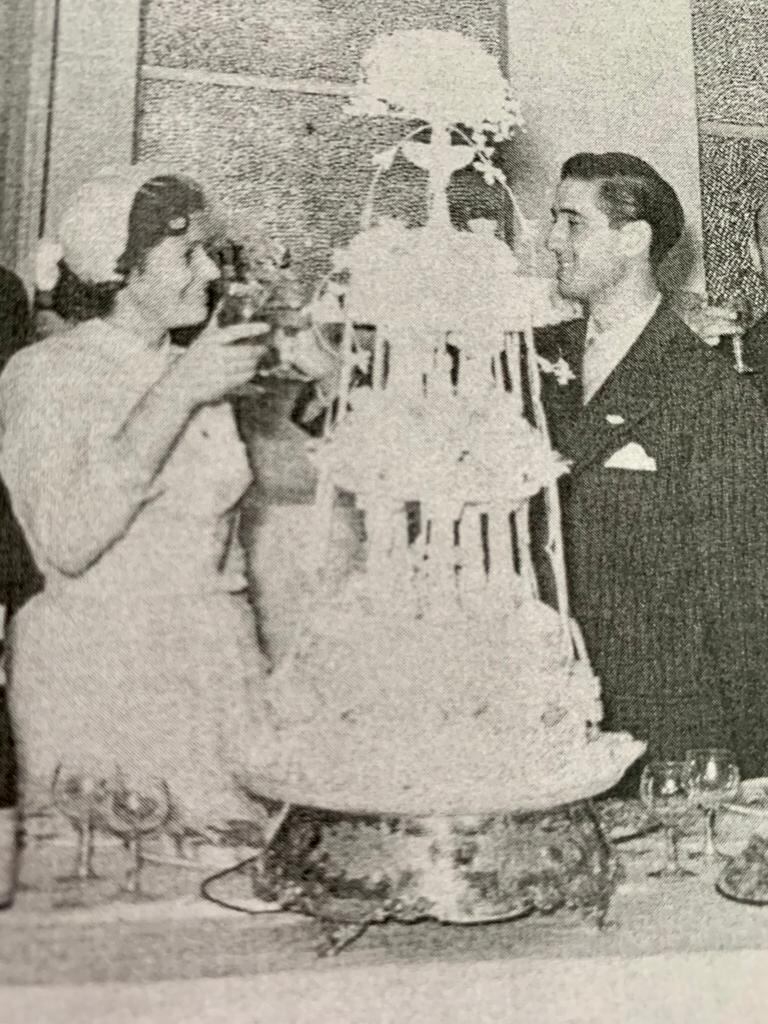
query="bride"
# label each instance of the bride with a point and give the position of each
(125, 468)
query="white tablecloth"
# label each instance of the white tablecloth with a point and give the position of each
(705, 988)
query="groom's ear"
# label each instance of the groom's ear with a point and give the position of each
(636, 237)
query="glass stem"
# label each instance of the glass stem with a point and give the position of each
(133, 881)
(84, 850)
(673, 861)
(710, 850)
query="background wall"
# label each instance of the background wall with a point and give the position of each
(607, 75)
(731, 43)
(5, 85)
(27, 34)
(94, 94)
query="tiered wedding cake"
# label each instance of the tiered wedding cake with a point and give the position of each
(429, 678)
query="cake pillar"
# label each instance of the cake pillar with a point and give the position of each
(440, 171)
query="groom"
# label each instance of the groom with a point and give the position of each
(665, 510)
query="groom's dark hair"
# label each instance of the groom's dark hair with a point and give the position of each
(630, 189)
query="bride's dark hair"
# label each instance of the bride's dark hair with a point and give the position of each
(161, 208)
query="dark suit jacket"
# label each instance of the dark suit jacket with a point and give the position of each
(668, 570)
(755, 355)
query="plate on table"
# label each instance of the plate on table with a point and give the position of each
(751, 901)
(744, 878)
(746, 816)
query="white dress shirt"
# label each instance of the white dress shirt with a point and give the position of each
(604, 350)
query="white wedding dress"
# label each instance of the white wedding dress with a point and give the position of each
(141, 650)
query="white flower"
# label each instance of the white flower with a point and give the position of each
(443, 78)
(327, 308)
(560, 370)
(563, 372)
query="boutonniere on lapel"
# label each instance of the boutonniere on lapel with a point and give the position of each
(560, 370)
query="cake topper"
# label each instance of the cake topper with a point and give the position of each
(456, 90)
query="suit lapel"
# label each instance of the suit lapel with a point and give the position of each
(563, 402)
(631, 391)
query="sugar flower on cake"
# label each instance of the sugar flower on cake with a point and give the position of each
(560, 369)
(443, 78)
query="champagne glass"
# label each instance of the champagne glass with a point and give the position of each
(665, 791)
(714, 779)
(135, 810)
(81, 797)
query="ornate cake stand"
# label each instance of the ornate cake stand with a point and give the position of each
(350, 871)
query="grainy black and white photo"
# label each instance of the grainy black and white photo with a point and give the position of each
(383, 511)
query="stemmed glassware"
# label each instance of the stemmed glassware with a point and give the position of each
(136, 809)
(714, 779)
(82, 798)
(665, 789)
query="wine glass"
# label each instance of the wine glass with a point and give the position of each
(81, 797)
(665, 791)
(715, 778)
(136, 809)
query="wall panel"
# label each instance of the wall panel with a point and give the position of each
(734, 180)
(297, 38)
(731, 44)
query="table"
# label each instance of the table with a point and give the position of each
(714, 988)
(675, 949)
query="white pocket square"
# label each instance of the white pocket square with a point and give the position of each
(631, 456)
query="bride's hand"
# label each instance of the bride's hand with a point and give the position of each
(220, 360)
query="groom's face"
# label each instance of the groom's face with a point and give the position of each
(589, 252)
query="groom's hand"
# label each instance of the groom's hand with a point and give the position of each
(710, 323)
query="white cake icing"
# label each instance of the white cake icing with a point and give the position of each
(431, 678)
(396, 706)
(446, 280)
(439, 450)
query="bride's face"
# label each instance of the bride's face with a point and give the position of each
(173, 285)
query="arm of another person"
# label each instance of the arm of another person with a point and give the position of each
(76, 482)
